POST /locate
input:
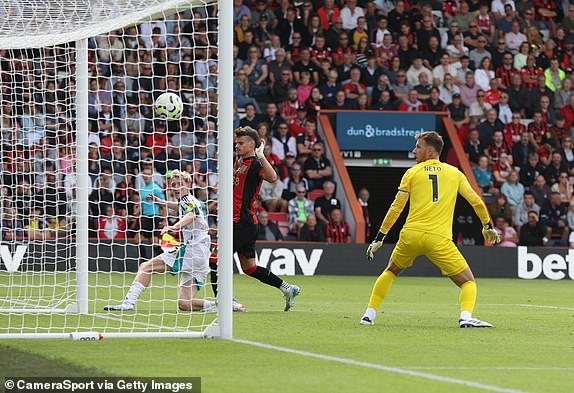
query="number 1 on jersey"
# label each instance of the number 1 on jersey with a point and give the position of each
(434, 180)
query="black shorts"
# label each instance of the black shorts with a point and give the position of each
(149, 225)
(244, 236)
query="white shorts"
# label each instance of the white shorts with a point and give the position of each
(190, 260)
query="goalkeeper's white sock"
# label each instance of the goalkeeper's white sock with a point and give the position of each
(285, 287)
(208, 305)
(371, 313)
(134, 293)
(465, 315)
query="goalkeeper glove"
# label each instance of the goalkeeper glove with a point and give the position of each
(490, 234)
(259, 151)
(375, 245)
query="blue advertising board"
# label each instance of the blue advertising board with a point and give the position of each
(381, 131)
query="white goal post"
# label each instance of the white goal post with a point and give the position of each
(78, 140)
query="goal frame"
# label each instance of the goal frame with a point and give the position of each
(222, 327)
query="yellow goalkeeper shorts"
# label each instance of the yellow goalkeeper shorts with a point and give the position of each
(440, 250)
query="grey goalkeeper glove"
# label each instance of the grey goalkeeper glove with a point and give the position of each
(375, 245)
(490, 234)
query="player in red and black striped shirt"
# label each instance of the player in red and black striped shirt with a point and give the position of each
(251, 168)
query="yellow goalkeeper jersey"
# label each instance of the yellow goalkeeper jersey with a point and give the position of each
(432, 187)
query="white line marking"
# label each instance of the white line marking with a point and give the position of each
(533, 306)
(395, 370)
(494, 368)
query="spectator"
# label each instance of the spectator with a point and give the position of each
(473, 148)
(508, 235)
(448, 89)
(252, 117)
(281, 88)
(110, 226)
(306, 140)
(267, 229)
(272, 118)
(514, 38)
(519, 96)
(350, 14)
(502, 107)
(563, 187)
(325, 204)
(411, 103)
(469, 90)
(483, 175)
(311, 231)
(570, 219)
(513, 130)
(424, 86)
(458, 111)
(500, 207)
(562, 95)
(282, 142)
(477, 54)
(330, 87)
(533, 232)
(291, 183)
(270, 194)
(497, 147)
(151, 212)
(415, 70)
(513, 190)
(554, 75)
(479, 109)
(300, 208)
(487, 128)
(501, 169)
(317, 167)
(484, 73)
(523, 209)
(354, 87)
(433, 103)
(288, 108)
(297, 125)
(540, 190)
(521, 152)
(338, 231)
(567, 151)
(556, 167)
(38, 227)
(553, 217)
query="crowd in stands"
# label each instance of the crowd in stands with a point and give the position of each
(131, 153)
(502, 69)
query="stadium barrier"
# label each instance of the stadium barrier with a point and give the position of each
(290, 258)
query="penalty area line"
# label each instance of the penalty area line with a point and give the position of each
(395, 370)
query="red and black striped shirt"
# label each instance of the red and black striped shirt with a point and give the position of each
(246, 184)
(338, 233)
(506, 75)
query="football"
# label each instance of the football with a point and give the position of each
(168, 106)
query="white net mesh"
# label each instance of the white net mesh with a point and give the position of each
(131, 154)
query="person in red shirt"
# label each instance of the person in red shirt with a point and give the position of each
(514, 129)
(529, 73)
(537, 129)
(328, 13)
(411, 103)
(506, 70)
(568, 112)
(338, 231)
(111, 226)
(354, 87)
(158, 140)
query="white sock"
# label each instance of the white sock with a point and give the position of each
(371, 313)
(134, 293)
(285, 287)
(208, 305)
(465, 315)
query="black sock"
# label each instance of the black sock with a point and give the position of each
(213, 277)
(264, 275)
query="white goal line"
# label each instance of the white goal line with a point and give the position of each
(395, 370)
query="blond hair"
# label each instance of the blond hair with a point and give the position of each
(181, 175)
(432, 139)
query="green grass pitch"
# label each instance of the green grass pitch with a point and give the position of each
(531, 348)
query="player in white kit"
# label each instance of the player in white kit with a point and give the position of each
(190, 260)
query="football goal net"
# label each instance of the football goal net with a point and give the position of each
(86, 167)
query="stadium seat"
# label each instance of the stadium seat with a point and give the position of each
(312, 195)
(278, 217)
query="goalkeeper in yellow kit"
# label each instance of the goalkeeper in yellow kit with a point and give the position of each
(432, 187)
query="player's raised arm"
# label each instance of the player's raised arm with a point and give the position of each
(269, 173)
(163, 203)
(392, 215)
(480, 209)
(185, 221)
